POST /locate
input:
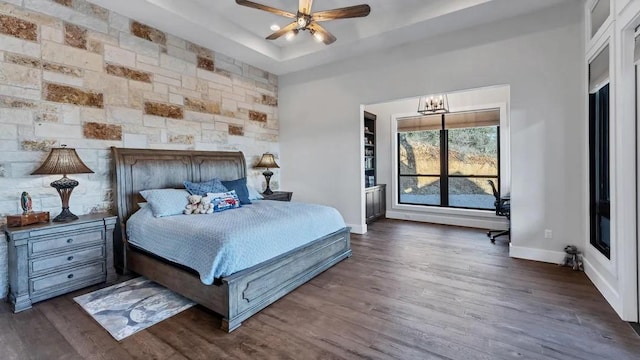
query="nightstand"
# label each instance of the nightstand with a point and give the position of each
(279, 196)
(47, 260)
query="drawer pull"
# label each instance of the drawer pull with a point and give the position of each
(70, 258)
(70, 276)
(69, 241)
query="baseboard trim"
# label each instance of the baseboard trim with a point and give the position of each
(358, 229)
(449, 219)
(548, 256)
(605, 288)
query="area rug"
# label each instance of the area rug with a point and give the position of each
(126, 308)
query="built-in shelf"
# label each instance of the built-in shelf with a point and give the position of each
(375, 198)
(370, 176)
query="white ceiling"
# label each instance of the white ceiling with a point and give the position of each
(239, 32)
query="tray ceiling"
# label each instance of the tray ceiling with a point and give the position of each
(239, 31)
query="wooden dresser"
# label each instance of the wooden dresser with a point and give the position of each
(47, 260)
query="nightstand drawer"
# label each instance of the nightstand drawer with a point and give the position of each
(279, 196)
(62, 242)
(65, 278)
(69, 258)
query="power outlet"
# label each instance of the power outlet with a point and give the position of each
(548, 234)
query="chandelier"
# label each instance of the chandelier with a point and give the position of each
(433, 104)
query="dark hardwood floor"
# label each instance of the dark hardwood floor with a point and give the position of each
(410, 291)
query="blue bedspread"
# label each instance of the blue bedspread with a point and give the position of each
(220, 244)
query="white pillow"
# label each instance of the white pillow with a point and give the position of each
(254, 194)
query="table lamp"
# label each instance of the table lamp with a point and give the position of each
(267, 161)
(63, 161)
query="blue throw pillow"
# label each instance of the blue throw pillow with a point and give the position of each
(202, 188)
(166, 202)
(240, 186)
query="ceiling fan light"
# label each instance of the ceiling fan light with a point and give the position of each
(318, 36)
(275, 27)
(291, 34)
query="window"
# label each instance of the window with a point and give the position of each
(600, 12)
(599, 162)
(446, 159)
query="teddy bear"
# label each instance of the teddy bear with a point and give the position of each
(192, 206)
(572, 258)
(205, 206)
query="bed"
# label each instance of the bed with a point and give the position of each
(235, 296)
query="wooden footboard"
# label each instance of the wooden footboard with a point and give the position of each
(253, 289)
(246, 292)
(185, 283)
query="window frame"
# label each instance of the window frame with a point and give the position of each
(504, 187)
(444, 166)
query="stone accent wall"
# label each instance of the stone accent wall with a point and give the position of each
(77, 74)
(4, 267)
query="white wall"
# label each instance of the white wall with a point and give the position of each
(539, 55)
(484, 98)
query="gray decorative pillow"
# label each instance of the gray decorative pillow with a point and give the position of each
(202, 188)
(166, 202)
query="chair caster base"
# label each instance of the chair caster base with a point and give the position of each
(494, 234)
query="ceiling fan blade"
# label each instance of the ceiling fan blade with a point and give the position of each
(342, 13)
(304, 6)
(270, 9)
(291, 27)
(327, 37)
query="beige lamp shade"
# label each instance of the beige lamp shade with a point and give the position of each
(62, 161)
(267, 161)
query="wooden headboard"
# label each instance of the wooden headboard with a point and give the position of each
(140, 169)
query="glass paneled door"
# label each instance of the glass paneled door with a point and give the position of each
(599, 156)
(599, 170)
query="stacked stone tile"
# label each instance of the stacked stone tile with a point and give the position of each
(74, 73)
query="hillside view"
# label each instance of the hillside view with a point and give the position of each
(472, 151)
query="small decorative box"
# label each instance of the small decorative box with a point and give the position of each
(27, 219)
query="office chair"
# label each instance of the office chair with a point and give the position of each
(503, 208)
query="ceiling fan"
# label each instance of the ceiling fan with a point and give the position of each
(305, 20)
